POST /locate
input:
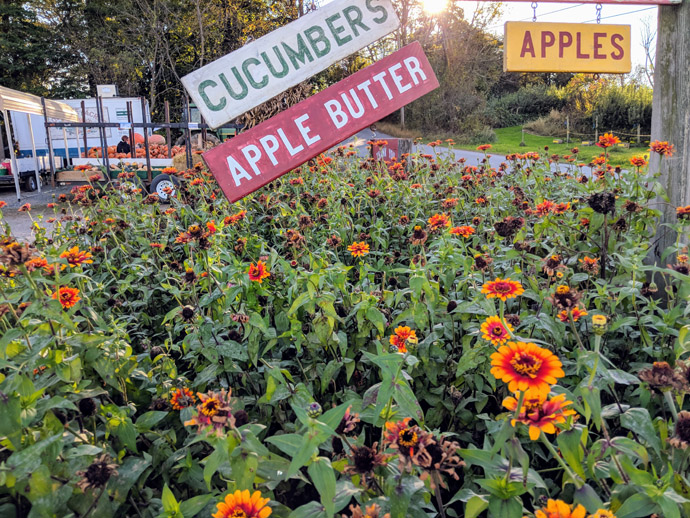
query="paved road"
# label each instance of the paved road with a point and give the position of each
(21, 222)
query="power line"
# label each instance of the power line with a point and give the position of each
(544, 14)
(622, 14)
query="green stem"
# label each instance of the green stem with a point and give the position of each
(577, 335)
(597, 346)
(576, 480)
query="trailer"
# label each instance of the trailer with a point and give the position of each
(28, 167)
(74, 142)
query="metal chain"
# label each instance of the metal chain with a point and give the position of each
(534, 9)
(598, 13)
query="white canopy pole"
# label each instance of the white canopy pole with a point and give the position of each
(33, 150)
(64, 137)
(79, 145)
(15, 167)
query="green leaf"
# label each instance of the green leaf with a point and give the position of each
(323, 478)
(638, 421)
(190, 508)
(288, 443)
(407, 401)
(589, 498)
(150, 419)
(476, 506)
(310, 442)
(376, 317)
(170, 504)
(212, 464)
(637, 506)
(310, 510)
(569, 443)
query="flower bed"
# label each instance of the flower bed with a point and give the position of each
(415, 339)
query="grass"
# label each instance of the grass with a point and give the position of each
(508, 141)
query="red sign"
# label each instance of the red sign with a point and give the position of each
(388, 151)
(252, 159)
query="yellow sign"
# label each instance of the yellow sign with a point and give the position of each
(566, 47)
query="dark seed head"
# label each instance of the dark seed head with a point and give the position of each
(87, 407)
(241, 418)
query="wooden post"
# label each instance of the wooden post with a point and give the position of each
(167, 129)
(132, 140)
(567, 129)
(638, 134)
(596, 129)
(671, 114)
(83, 119)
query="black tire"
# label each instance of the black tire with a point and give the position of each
(30, 183)
(160, 182)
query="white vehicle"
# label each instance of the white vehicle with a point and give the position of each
(114, 110)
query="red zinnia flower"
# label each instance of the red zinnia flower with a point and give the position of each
(576, 312)
(638, 161)
(464, 231)
(358, 249)
(545, 208)
(663, 148)
(242, 504)
(75, 257)
(495, 331)
(25, 208)
(182, 398)
(68, 297)
(258, 272)
(503, 289)
(211, 226)
(438, 221)
(540, 414)
(402, 335)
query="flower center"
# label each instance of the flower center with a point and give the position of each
(497, 331)
(407, 438)
(526, 364)
(210, 407)
(503, 287)
(238, 513)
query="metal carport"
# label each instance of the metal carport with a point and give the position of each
(13, 100)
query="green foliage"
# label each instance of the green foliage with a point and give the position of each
(176, 381)
(527, 104)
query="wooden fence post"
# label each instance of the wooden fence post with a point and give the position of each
(671, 113)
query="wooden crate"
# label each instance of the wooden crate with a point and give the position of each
(76, 176)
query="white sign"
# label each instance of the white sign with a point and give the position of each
(264, 68)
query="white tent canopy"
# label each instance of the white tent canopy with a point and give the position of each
(12, 100)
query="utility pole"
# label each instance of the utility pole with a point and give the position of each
(671, 113)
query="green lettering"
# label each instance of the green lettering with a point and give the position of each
(248, 74)
(228, 87)
(377, 9)
(275, 74)
(300, 55)
(337, 30)
(314, 41)
(202, 92)
(354, 18)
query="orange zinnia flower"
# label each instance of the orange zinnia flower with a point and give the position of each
(258, 272)
(540, 414)
(484, 147)
(182, 398)
(75, 257)
(68, 297)
(544, 208)
(231, 220)
(683, 212)
(358, 249)
(241, 504)
(608, 140)
(576, 312)
(663, 148)
(503, 289)
(638, 161)
(197, 181)
(438, 221)
(464, 231)
(524, 365)
(211, 226)
(559, 509)
(496, 331)
(402, 335)
(35, 263)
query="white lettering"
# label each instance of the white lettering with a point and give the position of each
(253, 155)
(292, 150)
(415, 69)
(365, 88)
(304, 130)
(382, 81)
(360, 108)
(335, 110)
(397, 79)
(270, 150)
(236, 168)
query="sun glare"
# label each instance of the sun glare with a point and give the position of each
(434, 6)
